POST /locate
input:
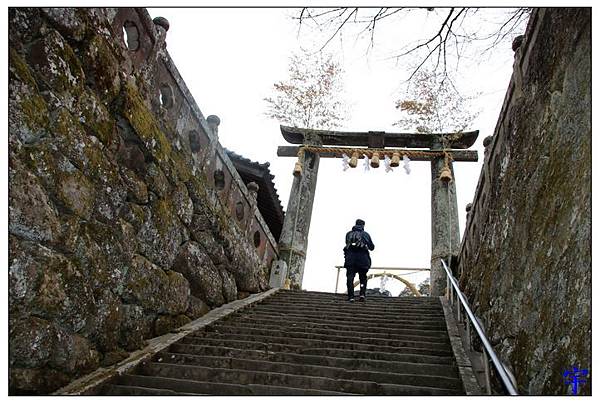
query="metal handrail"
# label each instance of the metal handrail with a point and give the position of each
(504, 376)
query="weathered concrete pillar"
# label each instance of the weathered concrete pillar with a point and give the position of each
(294, 234)
(445, 234)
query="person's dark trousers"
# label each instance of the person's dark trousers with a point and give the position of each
(362, 277)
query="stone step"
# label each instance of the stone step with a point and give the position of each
(129, 390)
(186, 386)
(323, 294)
(396, 328)
(347, 313)
(343, 350)
(308, 343)
(307, 369)
(312, 331)
(391, 303)
(313, 327)
(343, 302)
(386, 365)
(332, 327)
(244, 377)
(325, 340)
(348, 317)
(260, 327)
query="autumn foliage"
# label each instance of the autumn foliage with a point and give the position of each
(311, 97)
(432, 104)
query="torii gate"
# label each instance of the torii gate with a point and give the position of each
(439, 148)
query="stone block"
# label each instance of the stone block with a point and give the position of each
(278, 274)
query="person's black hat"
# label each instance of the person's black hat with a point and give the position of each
(360, 222)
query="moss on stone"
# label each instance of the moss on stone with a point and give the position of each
(35, 111)
(77, 146)
(57, 63)
(82, 100)
(67, 54)
(102, 68)
(77, 194)
(181, 169)
(96, 118)
(163, 215)
(145, 125)
(138, 215)
(68, 186)
(37, 157)
(21, 70)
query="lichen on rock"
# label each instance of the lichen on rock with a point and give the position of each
(148, 286)
(144, 124)
(206, 281)
(31, 213)
(115, 233)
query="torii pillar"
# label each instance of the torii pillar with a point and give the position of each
(444, 210)
(293, 241)
(445, 233)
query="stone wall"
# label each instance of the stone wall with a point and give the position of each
(525, 261)
(126, 217)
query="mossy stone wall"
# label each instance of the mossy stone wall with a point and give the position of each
(116, 234)
(525, 263)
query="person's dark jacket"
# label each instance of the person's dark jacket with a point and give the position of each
(355, 257)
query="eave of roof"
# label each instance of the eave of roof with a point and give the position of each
(268, 199)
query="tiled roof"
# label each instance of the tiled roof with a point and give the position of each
(268, 201)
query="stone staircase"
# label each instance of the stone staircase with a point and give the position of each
(308, 343)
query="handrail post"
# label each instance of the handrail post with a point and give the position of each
(468, 324)
(337, 279)
(486, 368)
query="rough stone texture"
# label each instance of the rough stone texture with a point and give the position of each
(90, 384)
(165, 323)
(293, 242)
(445, 234)
(198, 308)
(525, 261)
(105, 192)
(206, 280)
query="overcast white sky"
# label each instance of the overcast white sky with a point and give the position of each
(230, 59)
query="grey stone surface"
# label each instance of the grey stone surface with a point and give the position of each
(87, 384)
(307, 343)
(278, 274)
(445, 235)
(293, 241)
(525, 261)
(105, 191)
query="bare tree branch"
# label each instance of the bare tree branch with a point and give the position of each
(435, 48)
(338, 29)
(306, 9)
(433, 38)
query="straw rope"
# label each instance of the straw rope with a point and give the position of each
(370, 151)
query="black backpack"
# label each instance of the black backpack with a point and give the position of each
(356, 241)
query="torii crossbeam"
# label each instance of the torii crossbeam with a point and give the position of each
(463, 140)
(437, 147)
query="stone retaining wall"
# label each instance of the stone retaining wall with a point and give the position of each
(126, 217)
(525, 261)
